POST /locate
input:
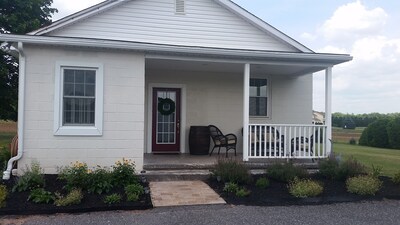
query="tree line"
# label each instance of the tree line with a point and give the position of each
(360, 120)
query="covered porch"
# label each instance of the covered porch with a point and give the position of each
(221, 92)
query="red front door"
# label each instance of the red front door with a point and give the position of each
(166, 120)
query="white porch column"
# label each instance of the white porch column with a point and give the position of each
(246, 87)
(328, 109)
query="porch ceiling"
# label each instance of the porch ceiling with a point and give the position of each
(269, 68)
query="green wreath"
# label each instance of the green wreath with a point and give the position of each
(166, 106)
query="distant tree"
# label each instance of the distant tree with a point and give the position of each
(376, 135)
(393, 130)
(18, 17)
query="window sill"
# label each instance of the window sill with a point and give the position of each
(78, 131)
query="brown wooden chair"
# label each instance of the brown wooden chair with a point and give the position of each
(220, 140)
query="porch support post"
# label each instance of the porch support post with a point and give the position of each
(246, 87)
(328, 109)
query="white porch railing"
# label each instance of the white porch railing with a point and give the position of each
(286, 141)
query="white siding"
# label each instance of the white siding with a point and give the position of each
(123, 125)
(204, 23)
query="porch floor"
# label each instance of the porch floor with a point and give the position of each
(206, 162)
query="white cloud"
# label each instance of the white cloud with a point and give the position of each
(67, 7)
(354, 20)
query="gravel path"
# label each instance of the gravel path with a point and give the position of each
(382, 212)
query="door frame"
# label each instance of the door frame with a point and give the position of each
(150, 114)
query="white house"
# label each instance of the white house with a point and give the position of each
(91, 82)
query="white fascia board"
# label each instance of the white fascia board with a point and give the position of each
(247, 56)
(81, 15)
(261, 24)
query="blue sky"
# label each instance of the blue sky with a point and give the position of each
(366, 29)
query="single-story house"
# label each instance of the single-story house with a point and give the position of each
(126, 78)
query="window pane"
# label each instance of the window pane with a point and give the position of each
(90, 77)
(79, 90)
(89, 90)
(258, 106)
(68, 90)
(79, 76)
(69, 76)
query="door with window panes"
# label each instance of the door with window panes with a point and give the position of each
(166, 120)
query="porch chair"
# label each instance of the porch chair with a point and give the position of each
(304, 144)
(228, 141)
(266, 138)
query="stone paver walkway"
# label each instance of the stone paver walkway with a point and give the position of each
(178, 193)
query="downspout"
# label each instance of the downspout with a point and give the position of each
(21, 109)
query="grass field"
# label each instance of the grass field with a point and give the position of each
(387, 158)
(340, 135)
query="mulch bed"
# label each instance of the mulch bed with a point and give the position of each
(17, 203)
(277, 193)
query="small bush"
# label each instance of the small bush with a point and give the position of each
(112, 199)
(352, 141)
(231, 187)
(332, 169)
(133, 192)
(5, 155)
(304, 188)
(376, 171)
(396, 178)
(99, 181)
(286, 172)
(72, 198)
(329, 167)
(242, 192)
(350, 168)
(124, 173)
(76, 176)
(363, 185)
(3, 195)
(229, 170)
(41, 196)
(33, 178)
(262, 183)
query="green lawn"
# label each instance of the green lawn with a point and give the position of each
(387, 158)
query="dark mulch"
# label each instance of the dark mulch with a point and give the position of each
(17, 203)
(277, 193)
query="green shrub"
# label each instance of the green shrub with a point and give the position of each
(242, 192)
(229, 170)
(393, 131)
(350, 168)
(76, 176)
(286, 172)
(376, 135)
(396, 178)
(363, 185)
(5, 155)
(332, 169)
(124, 173)
(231, 187)
(376, 171)
(352, 141)
(3, 195)
(304, 188)
(329, 167)
(31, 179)
(74, 197)
(262, 183)
(41, 196)
(112, 199)
(99, 181)
(133, 192)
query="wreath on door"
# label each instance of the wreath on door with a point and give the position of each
(166, 106)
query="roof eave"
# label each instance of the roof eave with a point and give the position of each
(249, 55)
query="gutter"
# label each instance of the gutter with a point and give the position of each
(247, 56)
(21, 110)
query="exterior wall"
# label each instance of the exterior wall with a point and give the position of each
(205, 24)
(211, 98)
(123, 116)
(291, 98)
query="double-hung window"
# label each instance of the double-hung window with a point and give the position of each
(259, 90)
(78, 99)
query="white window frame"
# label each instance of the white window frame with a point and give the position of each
(269, 101)
(59, 128)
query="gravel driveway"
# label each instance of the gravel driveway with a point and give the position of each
(382, 212)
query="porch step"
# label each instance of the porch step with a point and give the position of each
(175, 175)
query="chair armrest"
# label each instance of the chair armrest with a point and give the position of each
(231, 136)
